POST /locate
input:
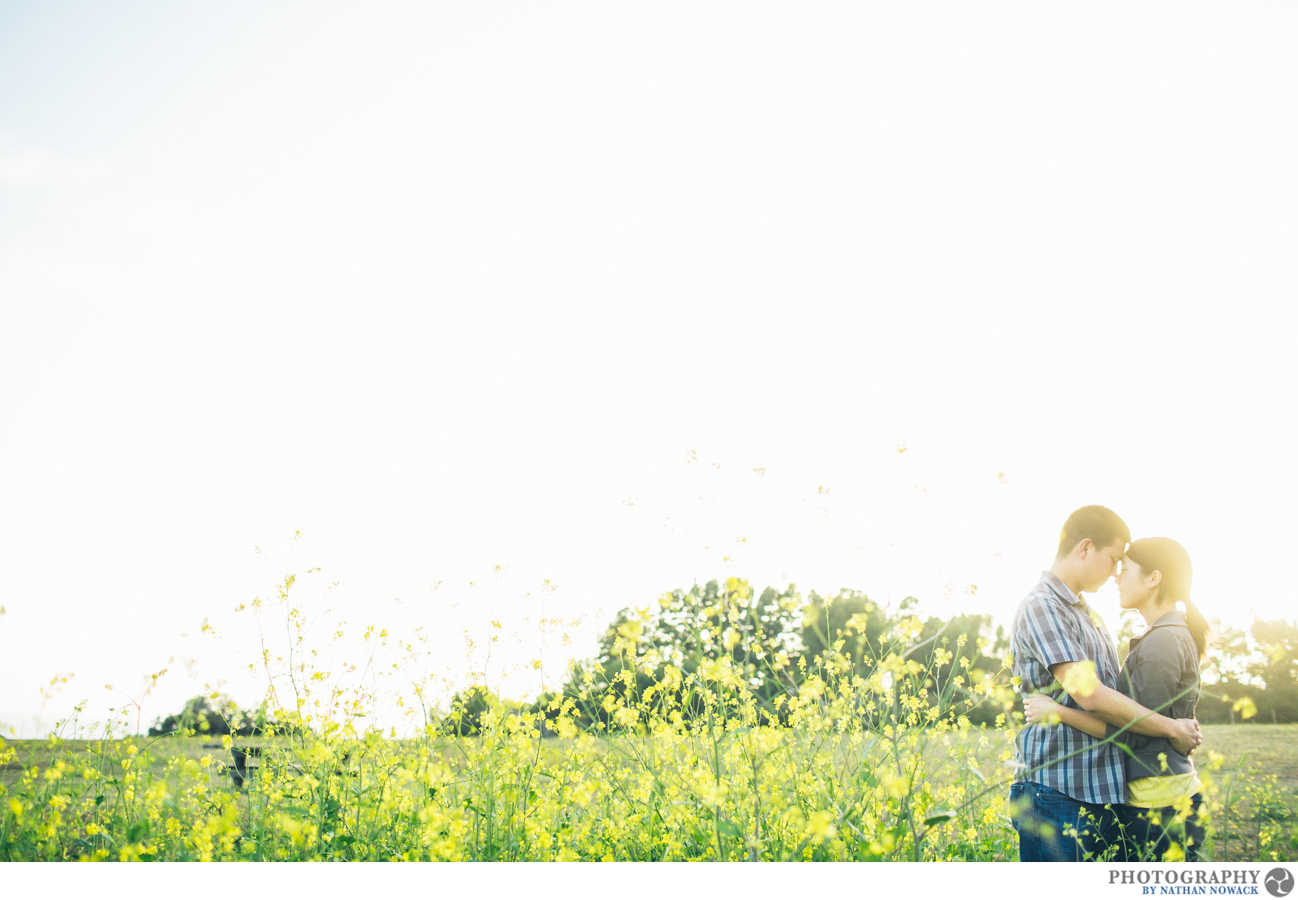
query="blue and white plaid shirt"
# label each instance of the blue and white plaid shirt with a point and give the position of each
(1053, 625)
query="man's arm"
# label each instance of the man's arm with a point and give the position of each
(1120, 710)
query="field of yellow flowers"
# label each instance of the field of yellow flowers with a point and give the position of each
(733, 788)
(683, 764)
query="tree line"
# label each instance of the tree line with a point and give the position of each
(779, 639)
(773, 643)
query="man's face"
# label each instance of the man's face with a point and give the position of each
(1102, 564)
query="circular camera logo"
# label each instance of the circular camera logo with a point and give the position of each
(1279, 882)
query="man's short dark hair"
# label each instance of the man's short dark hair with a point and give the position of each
(1099, 523)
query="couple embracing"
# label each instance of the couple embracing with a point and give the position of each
(1103, 765)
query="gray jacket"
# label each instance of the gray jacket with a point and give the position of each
(1161, 672)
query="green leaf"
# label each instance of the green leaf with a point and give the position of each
(943, 816)
(729, 829)
(330, 810)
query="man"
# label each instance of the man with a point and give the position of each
(1056, 639)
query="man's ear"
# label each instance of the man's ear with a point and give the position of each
(1085, 545)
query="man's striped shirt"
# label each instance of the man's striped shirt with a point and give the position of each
(1053, 625)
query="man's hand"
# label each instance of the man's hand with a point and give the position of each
(1186, 736)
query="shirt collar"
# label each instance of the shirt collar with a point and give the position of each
(1061, 589)
(1175, 617)
(1171, 618)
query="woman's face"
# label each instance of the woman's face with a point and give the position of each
(1135, 586)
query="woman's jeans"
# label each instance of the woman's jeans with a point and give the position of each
(1134, 834)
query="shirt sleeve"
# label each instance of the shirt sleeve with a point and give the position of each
(1045, 634)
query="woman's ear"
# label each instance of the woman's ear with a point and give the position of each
(1155, 579)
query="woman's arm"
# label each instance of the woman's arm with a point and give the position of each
(1123, 712)
(1040, 708)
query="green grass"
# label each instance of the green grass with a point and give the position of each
(1259, 787)
(1270, 748)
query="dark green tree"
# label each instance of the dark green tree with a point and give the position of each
(653, 651)
(955, 652)
(208, 715)
(469, 708)
(850, 617)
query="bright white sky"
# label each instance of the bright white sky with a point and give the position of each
(451, 287)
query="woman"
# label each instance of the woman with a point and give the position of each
(1164, 802)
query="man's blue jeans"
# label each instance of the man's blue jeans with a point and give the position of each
(1046, 821)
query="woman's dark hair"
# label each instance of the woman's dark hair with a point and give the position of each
(1168, 557)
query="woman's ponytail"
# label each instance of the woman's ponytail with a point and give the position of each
(1199, 629)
